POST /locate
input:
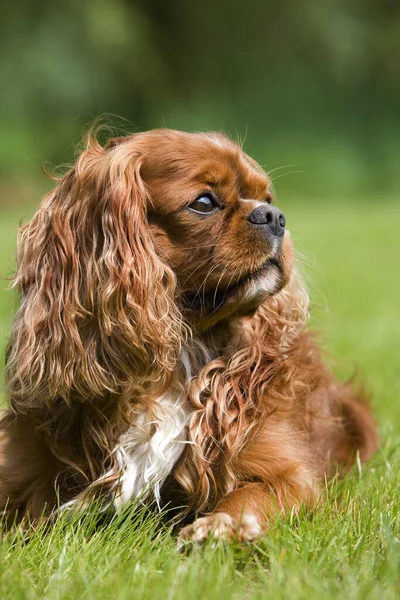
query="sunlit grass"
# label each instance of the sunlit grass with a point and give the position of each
(349, 547)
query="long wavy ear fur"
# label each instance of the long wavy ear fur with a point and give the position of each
(97, 304)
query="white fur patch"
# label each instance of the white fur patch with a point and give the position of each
(250, 528)
(268, 284)
(148, 451)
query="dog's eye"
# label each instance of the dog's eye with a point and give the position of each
(268, 199)
(204, 204)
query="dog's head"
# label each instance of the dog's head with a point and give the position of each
(142, 238)
(212, 221)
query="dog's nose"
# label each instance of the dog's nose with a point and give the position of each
(268, 217)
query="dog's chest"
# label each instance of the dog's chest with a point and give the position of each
(147, 452)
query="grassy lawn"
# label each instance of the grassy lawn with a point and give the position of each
(349, 547)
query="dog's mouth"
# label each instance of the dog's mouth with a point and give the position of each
(266, 280)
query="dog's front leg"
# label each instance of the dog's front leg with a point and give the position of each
(277, 460)
(244, 514)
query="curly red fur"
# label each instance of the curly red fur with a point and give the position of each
(97, 303)
(133, 306)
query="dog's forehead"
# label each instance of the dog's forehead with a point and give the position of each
(237, 175)
(208, 159)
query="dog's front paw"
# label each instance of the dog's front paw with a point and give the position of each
(221, 526)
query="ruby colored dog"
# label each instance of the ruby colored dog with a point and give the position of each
(160, 350)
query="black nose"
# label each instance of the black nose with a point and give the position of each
(268, 217)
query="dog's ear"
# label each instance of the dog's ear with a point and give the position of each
(97, 310)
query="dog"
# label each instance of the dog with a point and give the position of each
(160, 351)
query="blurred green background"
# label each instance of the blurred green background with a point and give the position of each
(311, 84)
(313, 87)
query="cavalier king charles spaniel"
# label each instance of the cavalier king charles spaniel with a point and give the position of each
(160, 351)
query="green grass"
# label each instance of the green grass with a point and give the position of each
(349, 547)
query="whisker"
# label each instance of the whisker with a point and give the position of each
(227, 287)
(203, 285)
(196, 269)
(219, 281)
(269, 171)
(285, 175)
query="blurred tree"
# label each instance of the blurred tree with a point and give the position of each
(311, 82)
